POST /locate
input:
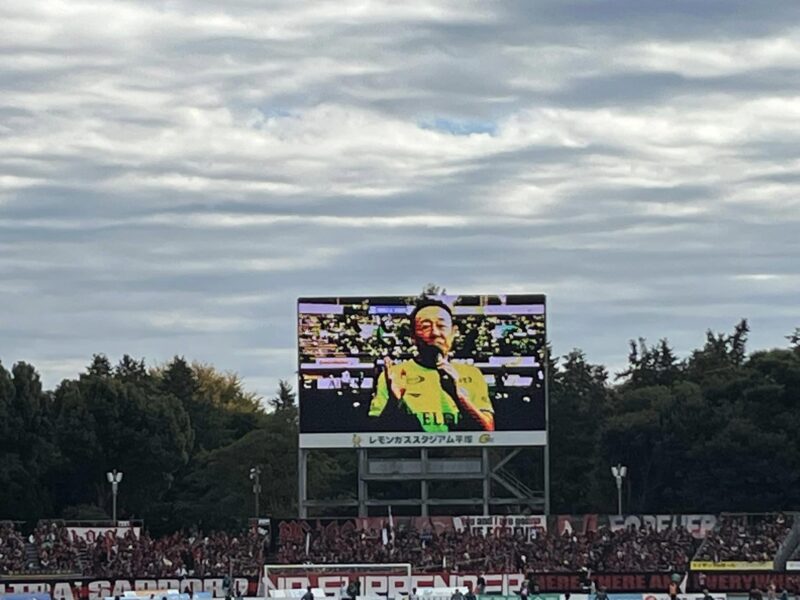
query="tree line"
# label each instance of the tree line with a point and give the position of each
(715, 431)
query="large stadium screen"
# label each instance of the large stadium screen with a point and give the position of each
(422, 371)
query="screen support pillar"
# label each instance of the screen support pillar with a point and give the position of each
(487, 479)
(302, 490)
(547, 479)
(362, 482)
(423, 484)
(546, 453)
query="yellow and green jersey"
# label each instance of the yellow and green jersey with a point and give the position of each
(422, 394)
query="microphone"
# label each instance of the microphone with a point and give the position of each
(445, 380)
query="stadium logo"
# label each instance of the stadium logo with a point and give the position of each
(484, 438)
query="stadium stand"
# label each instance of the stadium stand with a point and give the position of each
(54, 549)
(622, 551)
(746, 538)
(12, 549)
(178, 554)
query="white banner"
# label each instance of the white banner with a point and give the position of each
(715, 596)
(697, 525)
(490, 524)
(92, 533)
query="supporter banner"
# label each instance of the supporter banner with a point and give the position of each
(793, 565)
(395, 371)
(92, 533)
(697, 596)
(643, 584)
(99, 589)
(489, 525)
(593, 596)
(698, 525)
(496, 583)
(437, 524)
(740, 581)
(575, 523)
(161, 595)
(731, 565)
(644, 596)
(295, 530)
(516, 597)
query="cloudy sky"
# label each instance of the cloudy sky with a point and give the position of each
(174, 174)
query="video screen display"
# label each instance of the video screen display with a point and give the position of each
(422, 371)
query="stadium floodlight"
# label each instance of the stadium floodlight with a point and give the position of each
(619, 472)
(255, 477)
(114, 478)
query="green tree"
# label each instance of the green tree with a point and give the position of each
(219, 408)
(25, 445)
(100, 366)
(122, 420)
(229, 408)
(130, 369)
(579, 398)
(650, 430)
(750, 450)
(217, 489)
(223, 390)
(431, 289)
(794, 339)
(714, 432)
(721, 356)
(285, 399)
(650, 365)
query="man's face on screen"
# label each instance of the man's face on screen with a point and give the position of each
(433, 327)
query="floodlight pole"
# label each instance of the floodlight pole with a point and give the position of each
(114, 478)
(619, 472)
(255, 477)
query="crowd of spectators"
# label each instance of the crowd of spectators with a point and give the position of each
(371, 337)
(12, 549)
(176, 555)
(56, 551)
(747, 538)
(196, 554)
(131, 555)
(626, 550)
(632, 549)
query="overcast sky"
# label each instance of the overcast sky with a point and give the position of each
(174, 174)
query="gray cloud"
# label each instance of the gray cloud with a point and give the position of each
(173, 176)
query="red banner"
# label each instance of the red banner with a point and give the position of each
(496, 583)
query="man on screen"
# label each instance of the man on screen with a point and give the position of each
(440, 395)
